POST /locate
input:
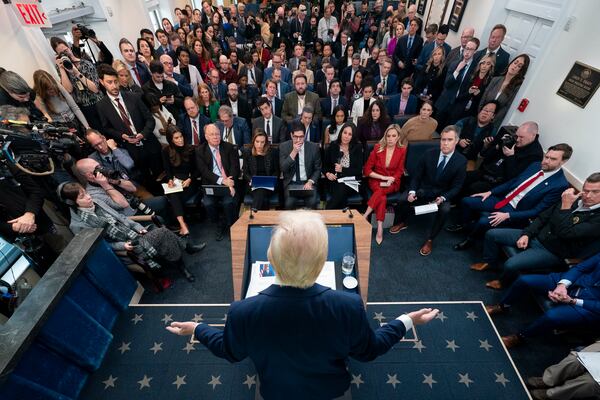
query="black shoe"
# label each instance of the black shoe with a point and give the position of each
(465, 244)
(188, 275)
(194, 248)
(455, 228)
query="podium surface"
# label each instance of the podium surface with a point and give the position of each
(362, 240)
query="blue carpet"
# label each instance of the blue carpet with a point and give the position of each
(147, 362)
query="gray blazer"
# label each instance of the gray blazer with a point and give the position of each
(312, 161)
(504, 100)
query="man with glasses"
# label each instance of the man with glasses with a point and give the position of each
(300, 27)
(457, 52)
(277, 62)
(300, 164)
(170, 75)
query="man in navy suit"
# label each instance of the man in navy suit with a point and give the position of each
(407, 51)
(386, 83)
(163, 40)
(405, 98)
(170, 75)
(457, 82)
(312, 129)
(494, 48)
(322, 88)
(334, 99)
(277, 62)
(233, 130)
(440, 41)
(298, 333)
(282, 87)
(348, 72)
(524, 197)
(439, 177)
(271, 95)
(575, 294)
(218, 88)
(137, 69)
(193, 123)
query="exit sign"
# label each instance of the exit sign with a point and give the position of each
(31, 13)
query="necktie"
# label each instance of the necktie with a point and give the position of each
(137, 75)
(228, 136)
(108, 160)
(269, 130)
(384, 85)
(410, 40)
(333, 105)
(440, 167)
(308, 133)
(252, 76)
(124, 116)
(278, 91)
(298, 167)
(195, 138)
(217, 155)
(518, 190)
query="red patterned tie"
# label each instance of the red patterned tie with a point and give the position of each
(195, 139)
(137, 75)
(124, 116)
(518, 190)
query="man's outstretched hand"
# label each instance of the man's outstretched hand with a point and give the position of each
(423, 316)
(182, 328)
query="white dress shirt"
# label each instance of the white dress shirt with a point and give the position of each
(515, 201)
(113, 101)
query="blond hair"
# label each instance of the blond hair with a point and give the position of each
(383, 141)
(298, 248)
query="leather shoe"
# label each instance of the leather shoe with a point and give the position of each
(536, 382)
(194, 248)
(494, 309)
(540, 394)
(455, 228)
(511, 341)
(480, 266)
(398, 227)
(427, 247)
(495, 284)
(465, 244)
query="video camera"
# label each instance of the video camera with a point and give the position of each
(109, 173)
(86, 32)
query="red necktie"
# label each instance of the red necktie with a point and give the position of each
(124, 116)
(137, 75)
(518, 190)
(195, 139)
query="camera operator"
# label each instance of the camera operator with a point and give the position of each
(14, 91)
(505, 157)
(80, 78)
(111, 157)
(280, 28)
(350, 22)
(81, 33)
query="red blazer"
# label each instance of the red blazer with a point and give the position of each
(376, 163)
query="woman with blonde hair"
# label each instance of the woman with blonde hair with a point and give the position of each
(53, 100)
(126, 82)
(384, 168)
(207, 103)
(429, 82)
(396, 34)
(467, 105)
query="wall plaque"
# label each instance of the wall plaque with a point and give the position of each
(580, 84)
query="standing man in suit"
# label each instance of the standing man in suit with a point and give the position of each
(407, 51)
(126, 119)
(300, 27)
(163, 40)
(240, 108)
(271, 124)
(193, 123)
(170, 75)
(440, 41)
(386, 83)
(517, 201)
(494, 48)
(233, 129)
(339, 48)
(294, 102)
(457, 82)
(334, 99)
(218, 164)
(322, 87)
(271, 95)
(300, 164)
(251, 71)
(286, 74)
(439, 177)
(165, 91)
(411, 15)
(457, 53)
(328, 326)
(137, 69)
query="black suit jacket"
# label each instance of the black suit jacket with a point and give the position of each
(448, 184)
(276, 111)
(169, 89)
(185, 124)
(326, 105)
(502, 58)
(258, 75)
(278, 129)
(406, 55)
(244, 110)
(347, 73)
(229, 159)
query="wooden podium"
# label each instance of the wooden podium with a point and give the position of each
(362, 232)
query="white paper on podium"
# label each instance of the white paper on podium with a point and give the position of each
(426, 209)
(591, 361)
(259, 283)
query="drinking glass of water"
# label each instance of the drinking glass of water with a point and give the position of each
(348, 263)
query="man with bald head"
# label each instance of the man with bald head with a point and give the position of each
(218, 164)
(226, 74)
(457, 53)
(411, 14)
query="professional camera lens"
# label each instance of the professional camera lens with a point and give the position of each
(67, 62)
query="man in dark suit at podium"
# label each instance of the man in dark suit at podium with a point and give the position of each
(438, 179)
(297, 332)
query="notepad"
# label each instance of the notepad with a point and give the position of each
(591, 361)
(177, 187)
(426, 209)
(351, 182)
(263, 182)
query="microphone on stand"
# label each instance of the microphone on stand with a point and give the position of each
(252, 211)
(350, 215)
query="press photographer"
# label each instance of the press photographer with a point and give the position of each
(82, 35)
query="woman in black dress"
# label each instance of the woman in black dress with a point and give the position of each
(180, 164)
(260, 160)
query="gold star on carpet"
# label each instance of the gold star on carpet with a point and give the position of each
(357, 380)
(137, 318)
(167, 318)
(189, 347)
(429, 380)
(197, 318)
(110, 382)
(250, 380)
(145, 382)
(451, 344)
(124, 347)
(215, 380)
(501, 379)
(465, 379)
(393, 380)
(156, 348)
(180, 380)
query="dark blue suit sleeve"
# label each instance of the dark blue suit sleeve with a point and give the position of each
(583, 268)
(229, 344)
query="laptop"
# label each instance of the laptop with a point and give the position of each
(264, 182)
(216, 190)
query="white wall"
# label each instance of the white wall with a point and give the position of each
(476, 15)
(560, 120)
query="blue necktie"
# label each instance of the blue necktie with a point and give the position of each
(410, 40)
(440, 167)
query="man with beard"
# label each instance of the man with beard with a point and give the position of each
(294, 102)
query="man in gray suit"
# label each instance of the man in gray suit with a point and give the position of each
(300, 163)
(272, 125)
(294, 102)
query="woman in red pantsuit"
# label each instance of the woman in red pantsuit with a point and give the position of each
(384, 168)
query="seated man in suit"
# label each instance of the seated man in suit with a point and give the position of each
(300, 164)
(322, 88)
(240, 108)
(294, 102)
(226, 74)
(515, 202)
(475, 130)
(494, 47)
(251, 71)
(273, 126)
(166, 91)
(440, 41)
(576, 294)
(386, 83)
(312, 129)
(282, 88)
(126, 119)
(218, 88)
(569, 229)
(403, 106)
(439, 177)
(334, 99)
(218, 164)
(277, 62)
(192, 123)
(233, 129)
(109, 155)
(271, 95)
(348, 72)
(362, 104)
